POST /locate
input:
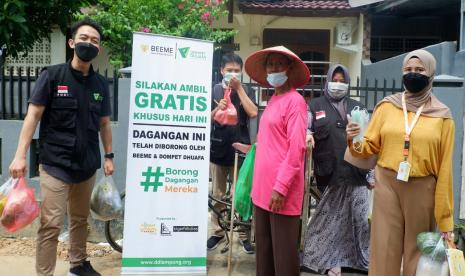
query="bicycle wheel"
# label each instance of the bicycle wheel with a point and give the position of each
(114, 230)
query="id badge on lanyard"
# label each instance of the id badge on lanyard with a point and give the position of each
(404, 167)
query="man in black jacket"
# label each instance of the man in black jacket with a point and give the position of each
(223, 136)
(72, 103)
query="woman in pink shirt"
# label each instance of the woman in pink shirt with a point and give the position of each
(278, 183)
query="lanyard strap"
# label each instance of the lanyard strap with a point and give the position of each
(408, 129)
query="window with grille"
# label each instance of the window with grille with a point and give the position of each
(38, 57)
(383, 47)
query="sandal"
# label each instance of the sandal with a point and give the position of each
(331, 272)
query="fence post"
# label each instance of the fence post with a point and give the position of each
(12, 95)
(115, 95)
(28, 82)
(20, 93)
(3, 94)
(366, 91)
(384, 88)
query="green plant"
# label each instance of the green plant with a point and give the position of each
(188, 18)
(459, 233)
(25, 22)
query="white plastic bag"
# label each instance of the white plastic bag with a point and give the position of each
(5, 190)
(427, 266)
(105, 202)
(371, 195)
(431, 263)
(360, 117)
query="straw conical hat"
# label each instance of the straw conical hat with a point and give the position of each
(298, 73)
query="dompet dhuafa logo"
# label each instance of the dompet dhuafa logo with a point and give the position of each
(184, 51)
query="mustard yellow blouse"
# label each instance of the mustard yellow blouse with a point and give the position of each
(431, 150)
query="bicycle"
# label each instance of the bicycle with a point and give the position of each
(114, 230)
(224, 215)
(224, 218)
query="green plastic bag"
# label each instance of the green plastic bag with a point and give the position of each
(242, 200)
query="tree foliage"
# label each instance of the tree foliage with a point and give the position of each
(188, 18)
(24, 22)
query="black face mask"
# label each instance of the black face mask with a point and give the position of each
(415, 82)
(86, 51)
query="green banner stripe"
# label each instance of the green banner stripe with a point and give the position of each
(163, 262)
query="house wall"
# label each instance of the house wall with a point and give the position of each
(249, 26)
(449, 88)
(58, 49)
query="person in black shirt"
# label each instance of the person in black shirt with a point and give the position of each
(72, 103)
(223, 136)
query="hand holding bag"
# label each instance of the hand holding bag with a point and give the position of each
(21, 207)
(227, 116)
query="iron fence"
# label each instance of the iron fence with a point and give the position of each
(16, 89)
(369, 93)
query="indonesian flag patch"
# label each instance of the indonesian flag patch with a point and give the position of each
(320, 114)
(62, 90)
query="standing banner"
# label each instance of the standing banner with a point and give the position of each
(166, 211)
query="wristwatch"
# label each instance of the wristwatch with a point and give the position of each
(110, 155)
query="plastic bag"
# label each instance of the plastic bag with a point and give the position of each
(429, 267)
(5, 190)
(242, 201)
(21, 207)
(227, 116)
(371, 195)
(432, 245)
(105, 202)
(433, 260)
(360, 117)
(370, 177)
(456, 261)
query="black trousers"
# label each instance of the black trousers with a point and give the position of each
(276, 243)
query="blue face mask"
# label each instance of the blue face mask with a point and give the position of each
(277, 79)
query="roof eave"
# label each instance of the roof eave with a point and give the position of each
(300, 12)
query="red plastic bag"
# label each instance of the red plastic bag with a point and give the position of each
(21, 207)
(227, 116)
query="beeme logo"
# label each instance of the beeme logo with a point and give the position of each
(184, 51)
(161, 50)
(185, 229)
(165, 230)
(144, 48)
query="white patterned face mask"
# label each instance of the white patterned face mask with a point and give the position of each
(228, 76)
(337, 90)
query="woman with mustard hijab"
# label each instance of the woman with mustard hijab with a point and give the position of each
(413, 135)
